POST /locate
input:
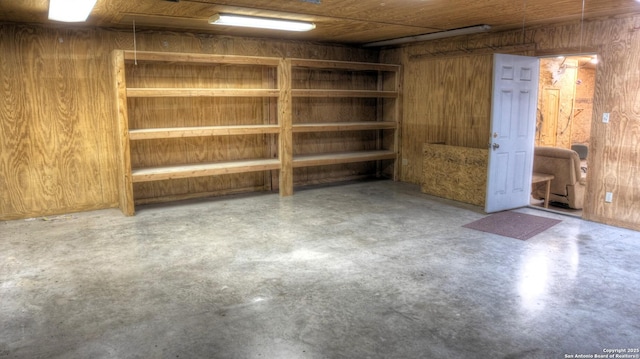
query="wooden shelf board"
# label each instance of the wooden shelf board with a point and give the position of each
(343, 93)
(343, 126)
(178, 132)
(203, 169)
(342, 157)
(200, 92)
(344, 65)
(155, 56)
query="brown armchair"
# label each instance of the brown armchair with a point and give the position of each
(567, 186)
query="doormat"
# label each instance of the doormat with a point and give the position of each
(513, 224)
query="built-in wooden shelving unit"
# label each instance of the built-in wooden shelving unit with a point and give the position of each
(378, 82)
(274, 87)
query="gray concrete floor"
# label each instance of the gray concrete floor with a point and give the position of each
(360, 270)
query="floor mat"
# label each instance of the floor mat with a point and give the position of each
(513, 224)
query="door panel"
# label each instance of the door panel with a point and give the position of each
(513, 116)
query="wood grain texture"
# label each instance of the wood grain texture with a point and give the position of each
(171, 95)
(191, 58)
(203, 169)
(614, 151)
(342, 157)
(285, 121)
(449, 103)
(583, 111)
(58, 147)
(121, 117)
(350, 21)
(354, 101)
(55, 123)
(176, 132)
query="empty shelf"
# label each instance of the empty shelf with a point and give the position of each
(343, 93)
(201, 92)
(193, 58)
(344, 65)
(342, 157)
(203, 169)
(176, 132)
(342, 126)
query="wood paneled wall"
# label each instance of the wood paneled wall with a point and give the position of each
(442, 108)
(614, 153)
(56, 122)
(57, 135)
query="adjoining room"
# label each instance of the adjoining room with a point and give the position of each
(565, 110)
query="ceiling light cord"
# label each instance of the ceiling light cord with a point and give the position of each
(581, 27)
(524, 18)
(135, 47)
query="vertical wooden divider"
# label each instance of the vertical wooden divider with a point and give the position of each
(397, 82)
(125, 184)
(379, 117)
(285, 140)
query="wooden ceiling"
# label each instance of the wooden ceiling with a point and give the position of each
(337, 21)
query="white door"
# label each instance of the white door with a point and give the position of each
(513, 120)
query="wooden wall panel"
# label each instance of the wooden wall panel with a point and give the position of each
(583, 112)
(614, 152)
(440, 108)
(58, 151)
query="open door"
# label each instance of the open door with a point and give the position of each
(513, 120)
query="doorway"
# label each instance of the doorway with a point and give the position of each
(564, 112)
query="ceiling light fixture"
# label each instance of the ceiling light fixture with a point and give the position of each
(432, 36)
(70, 10)
(261, 22)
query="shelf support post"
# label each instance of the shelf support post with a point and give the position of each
(285, 140)
(125, 184)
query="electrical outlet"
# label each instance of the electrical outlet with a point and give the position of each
(605, 117)
(608, 197)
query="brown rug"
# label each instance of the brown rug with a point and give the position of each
(513, 224)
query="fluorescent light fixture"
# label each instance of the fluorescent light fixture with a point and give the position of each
(432, 36)
(70, 10)
(261, 22)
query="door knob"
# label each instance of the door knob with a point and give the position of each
(495, 146)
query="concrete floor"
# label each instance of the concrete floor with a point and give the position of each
(360, 270)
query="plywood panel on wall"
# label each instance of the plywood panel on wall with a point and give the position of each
(58, 147)
(583, 110)
(614, 151)
(448, 101)
(56, 153)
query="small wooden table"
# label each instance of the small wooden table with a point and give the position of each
(543, 177)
